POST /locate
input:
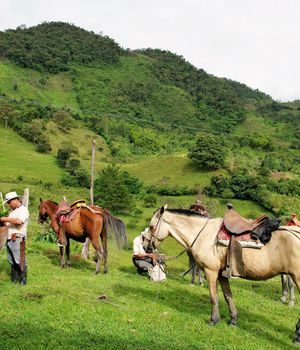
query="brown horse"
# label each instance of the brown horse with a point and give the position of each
(280, 255)
(87, 223)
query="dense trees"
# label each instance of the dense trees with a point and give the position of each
(52, 46)
(208, 152)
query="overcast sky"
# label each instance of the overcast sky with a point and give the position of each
(256, 42)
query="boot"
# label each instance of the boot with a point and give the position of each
(14, 275)
(23, 277)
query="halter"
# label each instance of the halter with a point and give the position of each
(154, 233)
(43, 217)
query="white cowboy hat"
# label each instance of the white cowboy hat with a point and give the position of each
(146, 233)
(11, 195)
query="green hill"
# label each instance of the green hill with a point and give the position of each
(62, 87)
(60, 84)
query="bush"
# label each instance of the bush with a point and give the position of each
(150, 200)
(111, 191)
(208, 152)
(64, 154)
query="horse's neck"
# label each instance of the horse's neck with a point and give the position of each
(51, 208)
(189, 229)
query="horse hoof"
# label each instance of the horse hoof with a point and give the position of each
(232, 323)
(291, 303)
(212, 323)
(283, 300)
(105, 271)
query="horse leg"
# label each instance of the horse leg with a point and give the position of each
(62, 240)
(284, 287)
(292, 290)
(212, 279)
(68, 252)
(224, 282)
(99, 252)
(200, 276)
(193, 267)
(85, 249)
(62, 256)
(296, 338)
(105, 250)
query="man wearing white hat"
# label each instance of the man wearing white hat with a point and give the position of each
(16, 223)
(141, 259)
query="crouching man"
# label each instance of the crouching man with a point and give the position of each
(142, 254)
(16, 223)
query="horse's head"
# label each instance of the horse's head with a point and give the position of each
(43, 214)
(158, 228)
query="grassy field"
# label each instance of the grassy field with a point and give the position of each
(59, 309)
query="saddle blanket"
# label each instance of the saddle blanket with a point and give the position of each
(244, 240)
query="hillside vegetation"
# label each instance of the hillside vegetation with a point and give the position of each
(149, 110)
(166, 132)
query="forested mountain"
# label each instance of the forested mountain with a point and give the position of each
(54, 46)
(147, 102)
(156, 85)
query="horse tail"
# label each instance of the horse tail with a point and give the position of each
(115, 227)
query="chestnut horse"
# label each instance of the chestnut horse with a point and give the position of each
(86, 224)
(280, 255)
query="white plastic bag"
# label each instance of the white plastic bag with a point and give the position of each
(157, 273)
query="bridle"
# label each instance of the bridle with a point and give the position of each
(155, 230)
(42, 216)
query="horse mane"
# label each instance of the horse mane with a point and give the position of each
(49, 200)
(186, 212)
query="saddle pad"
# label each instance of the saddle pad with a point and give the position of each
(224, 234)
(244, 244)
(245, 239)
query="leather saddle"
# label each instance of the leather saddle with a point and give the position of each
(237, 225)
(66, 213)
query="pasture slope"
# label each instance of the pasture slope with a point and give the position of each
(59, 309)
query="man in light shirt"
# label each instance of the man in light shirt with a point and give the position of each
(141, 259)
(16, 223)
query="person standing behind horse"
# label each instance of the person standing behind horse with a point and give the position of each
(142, 259)
(16, 223)
(198, 207)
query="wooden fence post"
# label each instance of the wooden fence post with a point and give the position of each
(86, 245)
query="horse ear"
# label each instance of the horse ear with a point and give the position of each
(162, 209)
(41, 200)
(166, 206)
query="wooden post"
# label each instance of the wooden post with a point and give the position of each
(92, 173)
(2, 201)
(25, 199)
(86, 245)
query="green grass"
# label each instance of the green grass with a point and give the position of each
(59, 308)
(22, 83)
(17, 157)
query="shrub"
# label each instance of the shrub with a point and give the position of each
(111, 191)
(208, 152)
(64, 154)
(150, 200)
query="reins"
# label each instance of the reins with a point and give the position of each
(156, 229)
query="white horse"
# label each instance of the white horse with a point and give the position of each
(280, 255)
